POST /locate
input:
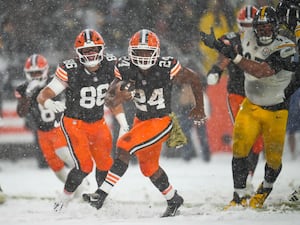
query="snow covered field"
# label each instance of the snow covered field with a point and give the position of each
(206, 188)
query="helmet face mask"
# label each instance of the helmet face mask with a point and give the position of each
(89, 46)
(36, 68)
(143, 58)
(265, 25)
(144, 49)
(265, 33)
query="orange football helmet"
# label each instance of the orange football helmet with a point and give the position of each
(144, 49)
(89, 46)
(36, 68)
(245, 17)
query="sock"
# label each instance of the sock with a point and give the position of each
(114, 175)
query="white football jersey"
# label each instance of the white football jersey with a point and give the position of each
(267, 91)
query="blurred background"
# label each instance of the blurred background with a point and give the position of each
(49, 28)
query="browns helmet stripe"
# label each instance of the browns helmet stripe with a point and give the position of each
(249, 10)
(144, 36)
(33, 60)
(87, 33)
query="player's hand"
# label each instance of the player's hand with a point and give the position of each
(213, 75)
(229, 45)
(32, 86)
(208, 39)
(118, 93)
(55, 106)
(198, 116)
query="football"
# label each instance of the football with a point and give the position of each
(122, 91)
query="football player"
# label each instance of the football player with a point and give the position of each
(288, 12)
(267, 61)
(235, 86)
(148, 78)
(85, 80)
(49, 134)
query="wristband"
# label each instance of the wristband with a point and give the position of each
(122, 120)
(237, 59)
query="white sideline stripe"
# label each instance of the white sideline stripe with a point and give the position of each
(23, 137)
(13, 122)
(9, 105)
(16, 138)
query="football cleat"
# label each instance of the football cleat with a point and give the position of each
(95, 199)
(237, 201)
(295, 196)
(259, 197)
(173, 205)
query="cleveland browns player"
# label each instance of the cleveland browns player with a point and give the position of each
(148, 80)
(85, 80)
(49, 134)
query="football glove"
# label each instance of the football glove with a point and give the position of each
(55, 106)
(32, 86)
(214, 75)
(208, 39)
(229, 45)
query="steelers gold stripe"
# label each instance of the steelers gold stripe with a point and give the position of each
(262, 14)
(285, 45)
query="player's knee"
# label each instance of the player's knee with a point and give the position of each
(274, 163)
(64, 154)
(148, 170)
(240, 152)
(105, 163)
(55, 164)
(87, 167)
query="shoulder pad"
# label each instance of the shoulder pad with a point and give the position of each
(123, 61)
(69, 64)
(286, 47)
(287, 51)
(110, 57)
(126, 58)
